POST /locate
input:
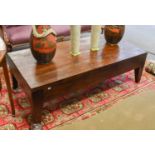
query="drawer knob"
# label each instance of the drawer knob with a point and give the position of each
(49, 88)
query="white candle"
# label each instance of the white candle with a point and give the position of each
(75, 39)
(95, 37)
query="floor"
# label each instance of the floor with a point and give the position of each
(142, 36)
(136, 112)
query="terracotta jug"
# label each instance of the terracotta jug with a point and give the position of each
(43, 43)
(113, 33)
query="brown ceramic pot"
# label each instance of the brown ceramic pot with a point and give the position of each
(114, 33)
(43, 48)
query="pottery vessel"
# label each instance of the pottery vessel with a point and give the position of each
(114, 33)
(43, 43)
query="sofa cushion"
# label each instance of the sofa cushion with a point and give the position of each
(61, 30)
(20, 34)
(64, 30)
(85, 28)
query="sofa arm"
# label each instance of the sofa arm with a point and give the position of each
(4, 36)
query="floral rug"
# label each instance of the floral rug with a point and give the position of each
(71, 107)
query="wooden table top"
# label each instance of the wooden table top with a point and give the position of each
(65, 66)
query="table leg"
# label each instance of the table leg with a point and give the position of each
(37, 104)
(139, 70)
(138, 74)
(15, 83)
(7, 79)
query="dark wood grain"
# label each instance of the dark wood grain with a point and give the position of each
(37, 105)
(69, 74)
(15, 83)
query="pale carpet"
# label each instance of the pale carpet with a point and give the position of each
(135, 112)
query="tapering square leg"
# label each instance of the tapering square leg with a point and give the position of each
(139, 70)
(15, 83)
(138, 74)
(37, 104)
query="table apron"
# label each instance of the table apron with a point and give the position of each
(92, 78)
(19, 78)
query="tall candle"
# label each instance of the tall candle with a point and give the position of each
(95, 37)
(75, 39)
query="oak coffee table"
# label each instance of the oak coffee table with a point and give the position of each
(66, 74)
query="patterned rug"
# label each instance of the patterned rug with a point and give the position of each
(71, 107)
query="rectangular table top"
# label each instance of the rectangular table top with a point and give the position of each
(64, 65)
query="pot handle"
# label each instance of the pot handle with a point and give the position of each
(43, 34)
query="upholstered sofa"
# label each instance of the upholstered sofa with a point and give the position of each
(17, 36)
